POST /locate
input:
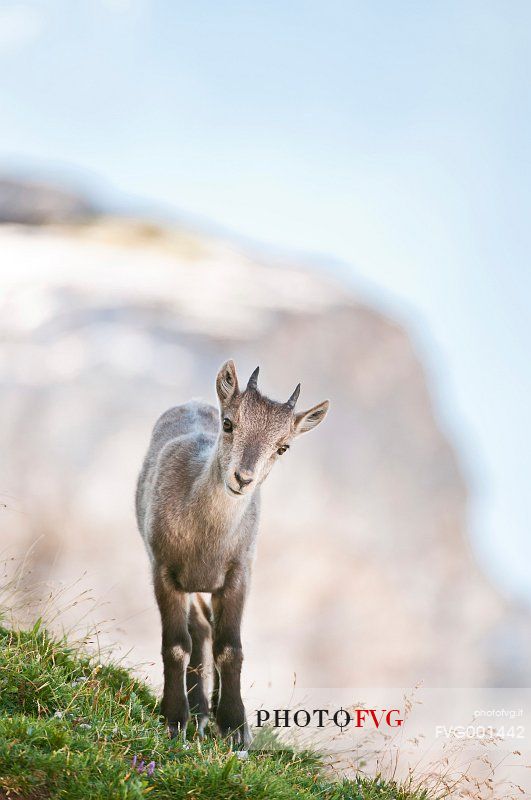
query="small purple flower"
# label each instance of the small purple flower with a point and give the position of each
(140, 766)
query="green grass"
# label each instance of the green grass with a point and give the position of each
(69, 728)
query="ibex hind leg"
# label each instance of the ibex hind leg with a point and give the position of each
(215, 693)
(197, 674)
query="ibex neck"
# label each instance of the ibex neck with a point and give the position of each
(212, 494)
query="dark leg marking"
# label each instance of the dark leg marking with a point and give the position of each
(176, 650)
(227, 607)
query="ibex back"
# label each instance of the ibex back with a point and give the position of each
(197, 505)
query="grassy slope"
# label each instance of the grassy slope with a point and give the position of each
(62, 737)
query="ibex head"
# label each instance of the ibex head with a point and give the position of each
(255, 431)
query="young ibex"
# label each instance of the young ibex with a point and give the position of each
(197, 506)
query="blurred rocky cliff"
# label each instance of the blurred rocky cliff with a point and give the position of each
(31, 202)
(364, 574)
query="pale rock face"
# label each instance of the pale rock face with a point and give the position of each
(363, 576)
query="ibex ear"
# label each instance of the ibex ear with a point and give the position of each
(306, 420)
(227, 382)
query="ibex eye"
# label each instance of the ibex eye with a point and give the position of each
(283, 449)
(227, 425)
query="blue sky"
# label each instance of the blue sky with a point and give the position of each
(394, 136)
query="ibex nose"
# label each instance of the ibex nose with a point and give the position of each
(244, 478)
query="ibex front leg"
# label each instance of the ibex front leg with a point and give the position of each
(176, 649)
(227, 606)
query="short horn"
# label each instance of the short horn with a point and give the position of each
(294, 397)
(253, 380)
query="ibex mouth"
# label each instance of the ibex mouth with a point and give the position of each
(234, 492)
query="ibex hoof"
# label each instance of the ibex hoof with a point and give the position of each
(201, 722)
(238, 739)
(177, 731)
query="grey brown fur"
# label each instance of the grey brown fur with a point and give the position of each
(197, 505)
